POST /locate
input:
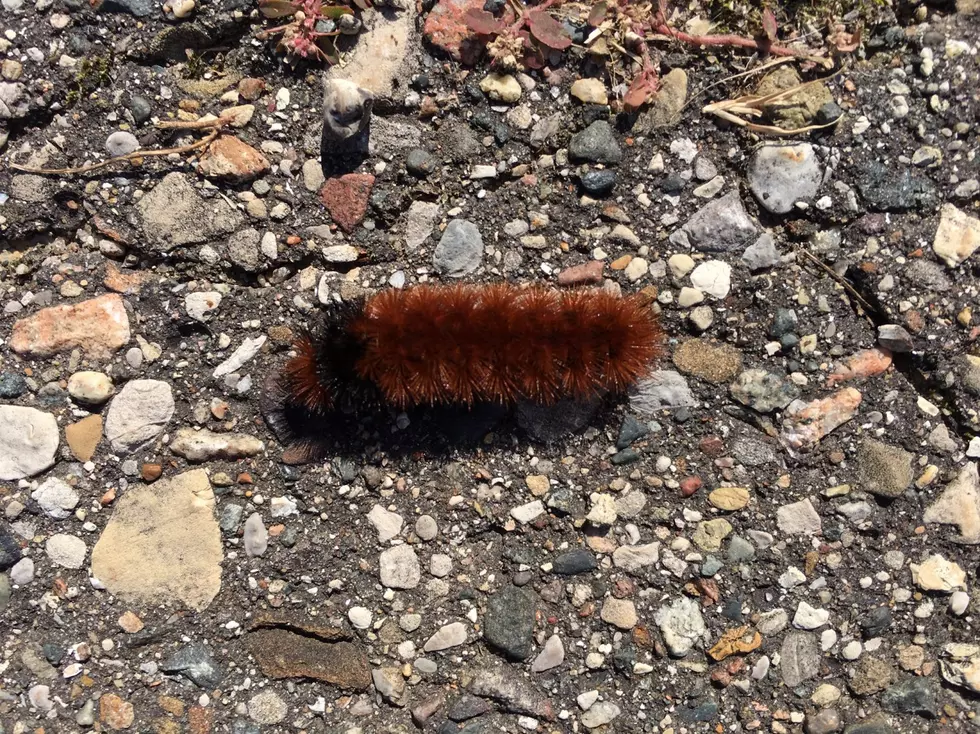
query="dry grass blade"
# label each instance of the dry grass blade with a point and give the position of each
(754, 105)
(215, 126)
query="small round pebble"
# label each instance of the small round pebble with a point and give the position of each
(426, 527)
(121, 143)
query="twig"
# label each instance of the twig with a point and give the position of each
(216, 125)
(840, 279)
(729, 39)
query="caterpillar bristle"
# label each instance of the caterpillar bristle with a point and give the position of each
(466, 344)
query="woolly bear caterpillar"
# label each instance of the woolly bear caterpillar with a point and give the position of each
(465, 344)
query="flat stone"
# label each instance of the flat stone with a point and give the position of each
(957, 237)
(619, 613)
(162, 544)
(589, 91)
(887, 189)
(804, 424)
(240, 357)
(710, 361)
(116, 713)
(511, 691)
(761, 254)
(201, 306)
(28, 443)
(633, 558)
(174, 214)
(460, 249)
(66, 551)
(204, 445)
(721, 225)
(574, 562)
(284, 654)
(230, 159)
(799, 658)
(399, 568)
(138, 414)
(267, 708)
(662, 389)
(729, 499)
(936, 573)
(886, 471)
(781, 175)
(420, 221)
(346, 198)
(551, 656)
(764, 391)
(871, 675)
(501, 87)
(256, 536)
(681, 624)
(664, 110)
(798, 518)
(450, 635)
(98, 326)
(600, 714)
(912, 696)
(959, 505)
(388, 524)
(709, 534)
(508, 625)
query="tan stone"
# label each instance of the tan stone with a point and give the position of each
(711, 361)
(163, 544)
(115, 713)
(959, 504)
(98, 326)
(937, 573)
(957, 237)
(729, 499)
(83, 437)
(590, 91)
(228, 158)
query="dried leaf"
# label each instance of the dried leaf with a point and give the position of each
(598, 13)
(277, 8)
(769, 24)
(734, 642)
(482, 22)
(547, 30)
(363, 4)
(846, 42)
(333, 12)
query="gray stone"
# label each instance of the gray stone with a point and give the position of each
(799, 658)
(13, 100)
(121, 143)
(764, 391)
(889, 190)
(761, 254)
(195, 662)
(244, 250)
(894, 338)
(138, 414)
(28, 442)
(827, 721)
(721, 225)
(174, 214)
(662, 389)
(256, 536)
(267, 708)
(681, 624)
(399, 568)
(511, 691)
(508, 625)
(596, 144)
(445, 637)
(420, 220)
(798, 518)
(460, 249)
(912, 696)
(781, 175)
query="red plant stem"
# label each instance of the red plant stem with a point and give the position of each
(724, 40)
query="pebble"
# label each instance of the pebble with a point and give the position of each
(527, 513)
(885, 471)
(360, 617)
(804, 424)
(66, 551)
(713, 277)
(28, 443)
(198, 445)
(936, 573)
(138, 414)
(426, 528)
(92, 388)
(600, 714)
(267, 708)
(195, 662)
(121, 143)
(98, 326)
(589, 91)
(451, 635)
(508, 625)
(662, 389)
(200, 306)
(387, 524)
(551, 656)
(681, 624)
(619, 613)
(501, 88)
(957, 237)
(22, 572)
(55, 498)
(598, 183)
(596, 144)
(809, 618)
(798, 518)
(799, 658)
(719, 226)
(460, 249)
(256, 536)
(399, 568)
(761, 254)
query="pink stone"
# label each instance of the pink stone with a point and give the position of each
(590, 272)
(804, 424)
(98, 326)
(230, 159)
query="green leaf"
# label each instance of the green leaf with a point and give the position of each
(333, 12)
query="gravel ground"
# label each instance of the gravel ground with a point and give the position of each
(777, 531)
